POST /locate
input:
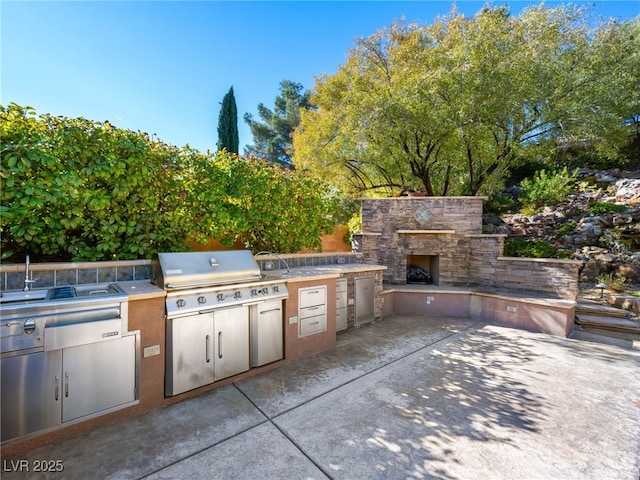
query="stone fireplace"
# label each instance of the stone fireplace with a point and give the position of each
(442, 238)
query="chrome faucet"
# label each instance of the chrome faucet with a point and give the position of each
(27, 281)
(265, 252)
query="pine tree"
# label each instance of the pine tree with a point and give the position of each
(272, 136)
(228, 124)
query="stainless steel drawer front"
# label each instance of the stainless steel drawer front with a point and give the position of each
(81, 334)
(313, 296)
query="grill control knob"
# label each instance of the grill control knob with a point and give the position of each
(29, 326)
(254, 292)
(202, 300)
(265, 291)
(181, 303)
(220, 297)
(237, 294)
(276, 289)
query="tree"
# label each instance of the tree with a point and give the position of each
(272, 137)
(449, 107)
(228, 124)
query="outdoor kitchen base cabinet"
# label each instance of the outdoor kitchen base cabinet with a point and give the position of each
(364, 288)
(266, 333)
(97, 376)
(46, 389)
(206, 347)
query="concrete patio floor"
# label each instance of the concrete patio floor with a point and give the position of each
(411, 397)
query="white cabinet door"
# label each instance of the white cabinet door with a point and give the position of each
(98, 376)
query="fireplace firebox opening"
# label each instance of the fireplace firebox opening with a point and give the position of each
(423, 269)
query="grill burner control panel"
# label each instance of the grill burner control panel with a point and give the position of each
(189, 302)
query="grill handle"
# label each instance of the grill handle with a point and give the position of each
(209, 283)
(186, 285)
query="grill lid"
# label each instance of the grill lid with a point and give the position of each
(173, 271)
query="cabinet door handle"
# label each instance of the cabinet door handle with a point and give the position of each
(56, 390)
(207, 346)
(313, 308)
(270, 310)
(219, 344)
(66, 384)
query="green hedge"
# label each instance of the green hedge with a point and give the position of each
(83, 190)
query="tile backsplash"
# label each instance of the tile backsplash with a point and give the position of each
(58, 274)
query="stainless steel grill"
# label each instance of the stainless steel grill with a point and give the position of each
(199, 282)
(223, 316)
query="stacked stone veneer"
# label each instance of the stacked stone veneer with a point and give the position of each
(451, 228)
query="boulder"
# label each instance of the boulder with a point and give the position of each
(590, 271)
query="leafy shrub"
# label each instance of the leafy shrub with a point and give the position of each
(546, 188)
(599, 208)
(533, 249)
(83, 190)
(615, 282)
(500, 203)
(267, 207)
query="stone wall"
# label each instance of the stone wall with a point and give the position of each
(556, 278)
(450, 228)
(396, 227)
(386, 215)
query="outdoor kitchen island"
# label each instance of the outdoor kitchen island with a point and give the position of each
(309, 326)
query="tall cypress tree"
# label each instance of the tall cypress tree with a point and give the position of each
(228, 124)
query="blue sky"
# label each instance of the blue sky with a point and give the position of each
(163, 67)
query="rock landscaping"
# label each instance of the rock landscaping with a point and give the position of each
(599, 225)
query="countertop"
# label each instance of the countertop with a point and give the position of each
(143, 289)
(322, 272)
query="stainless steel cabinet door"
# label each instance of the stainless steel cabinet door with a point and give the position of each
(190, 359)
(364, 299)
(31, 393)
(341, 304)
(231, 341)
(266, 333)
(98, 376)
